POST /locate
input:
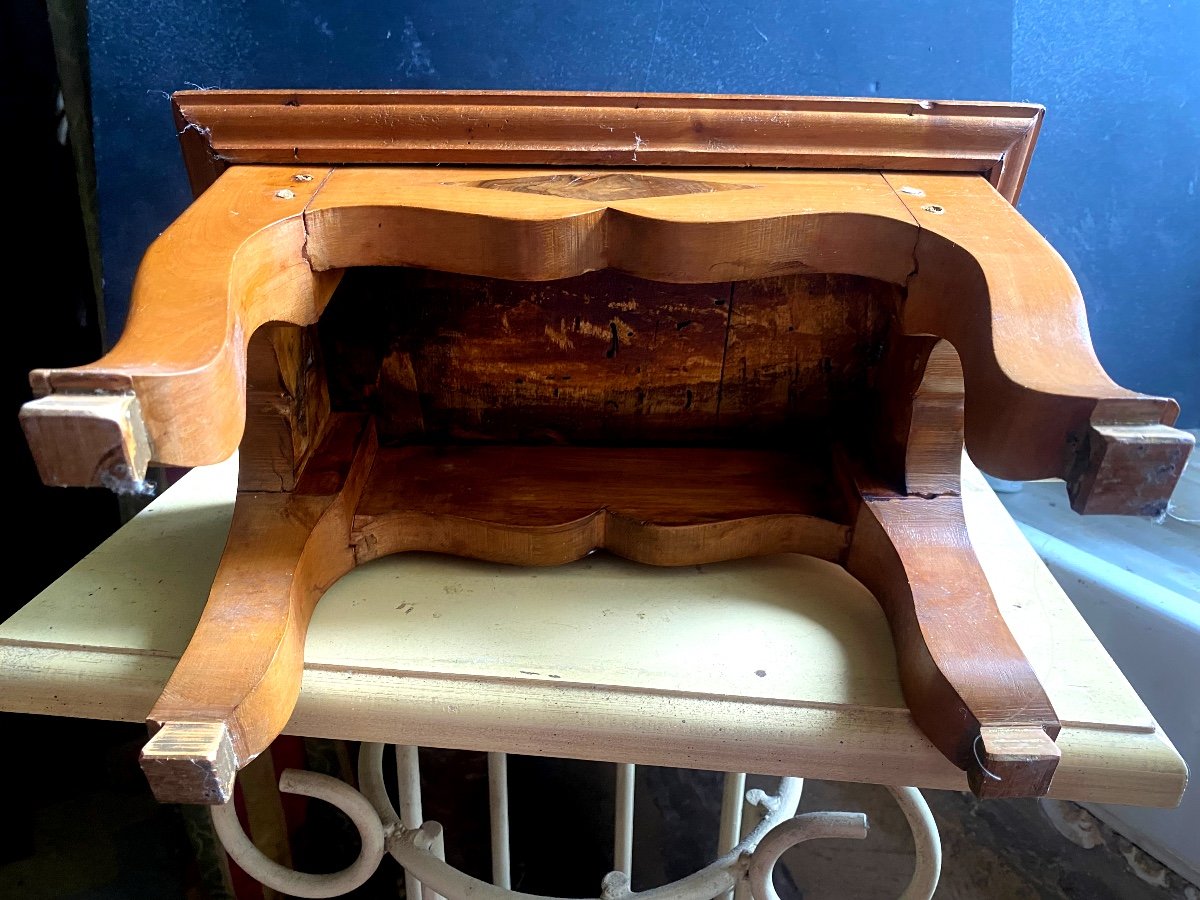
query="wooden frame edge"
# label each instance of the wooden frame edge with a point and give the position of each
(221, 128)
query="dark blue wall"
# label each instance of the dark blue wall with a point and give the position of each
(1113, 183)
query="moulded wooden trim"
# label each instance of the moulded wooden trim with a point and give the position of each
(229, 127)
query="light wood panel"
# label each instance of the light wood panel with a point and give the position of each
(238, 681)
(782, 223)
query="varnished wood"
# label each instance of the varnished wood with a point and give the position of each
(968, 683)
(218, 129)
(241, 672)
(850, 223)
(607, 186)
(550, 505)
(959, 666)
(1034, 388)
(225, 267)
(1027, 404)
(806, 305)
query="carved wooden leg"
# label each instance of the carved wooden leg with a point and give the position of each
(239, 678)
(968, 684)
(1039, 403)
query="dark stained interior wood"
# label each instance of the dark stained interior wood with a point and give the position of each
(603, 358)
(287, 406)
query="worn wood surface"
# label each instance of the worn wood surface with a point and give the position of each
(959, 665)
(604, 358)
(1126, 469)
(287, 406)
(222, 269)
(800, 352)
(1014, 761)
(89, 440)
(1034, 388)
(550, 505)
(222, 128)
(743, 307)
(960, 668)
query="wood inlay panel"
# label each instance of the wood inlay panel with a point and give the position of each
(602, 186)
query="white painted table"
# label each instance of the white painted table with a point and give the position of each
(781, 665)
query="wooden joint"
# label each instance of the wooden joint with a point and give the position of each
(88, 440)
(1012, 761)
(191, 762)
(1125, 469)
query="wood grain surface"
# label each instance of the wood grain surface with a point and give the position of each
(241, 671)
(221, 128)
(550, 505)
(604, 358)
(655, 666)
(223, 268)
(761, 317)
(1034, 387)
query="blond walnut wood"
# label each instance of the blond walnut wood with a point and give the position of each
(1026, 404)
(241, 672)
(268, 245)
(1034, 388)
(225, 267)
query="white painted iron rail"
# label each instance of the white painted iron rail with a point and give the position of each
(751, 842)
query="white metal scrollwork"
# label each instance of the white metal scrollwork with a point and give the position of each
(745, 868)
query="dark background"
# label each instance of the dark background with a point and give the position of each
(1113, 185)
